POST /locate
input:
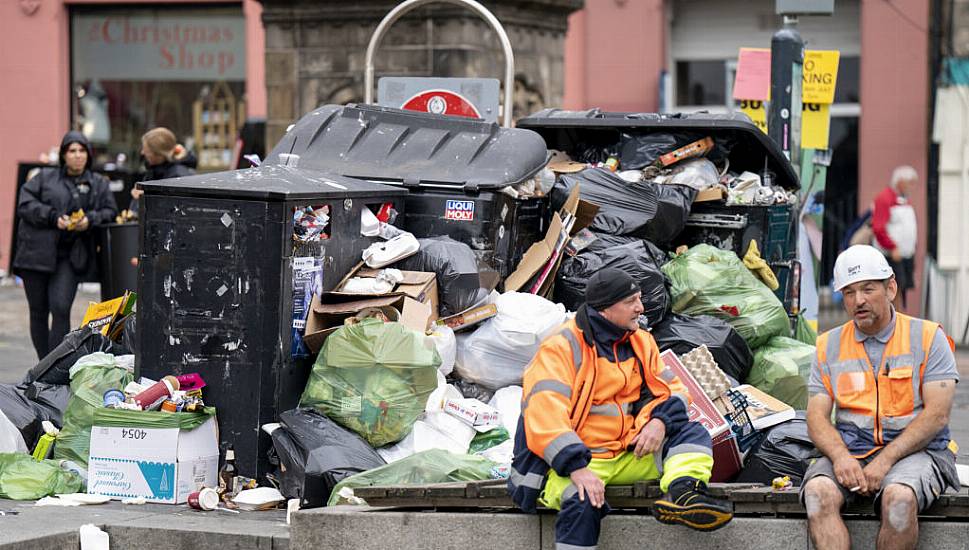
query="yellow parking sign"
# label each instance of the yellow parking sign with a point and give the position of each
(820, 76)
(815, 123)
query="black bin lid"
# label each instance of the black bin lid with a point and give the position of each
(564, 129)
(270, 183)
(412, 148)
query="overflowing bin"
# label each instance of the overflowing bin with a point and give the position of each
(464, 177)
(637, 140)
(222, 274)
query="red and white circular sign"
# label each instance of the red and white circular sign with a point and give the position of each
(441, 102)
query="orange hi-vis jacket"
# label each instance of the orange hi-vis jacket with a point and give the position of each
(872, 410)
(574, 397)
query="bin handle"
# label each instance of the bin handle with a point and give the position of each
(482, 11)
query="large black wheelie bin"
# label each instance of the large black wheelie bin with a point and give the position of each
(457, 172)
(217, 291)
(739, 142)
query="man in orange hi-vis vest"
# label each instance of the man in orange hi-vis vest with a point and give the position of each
(890, 379)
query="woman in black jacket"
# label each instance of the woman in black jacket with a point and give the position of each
(164, 158)
(58, 208)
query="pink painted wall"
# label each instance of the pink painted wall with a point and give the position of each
(614, 52)
(35, 66)
(894, 124)
(34, 90)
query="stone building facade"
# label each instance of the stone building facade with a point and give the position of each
(315, 50)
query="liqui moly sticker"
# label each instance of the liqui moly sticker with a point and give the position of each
(459, 210)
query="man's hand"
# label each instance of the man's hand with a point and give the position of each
(875, 472)
(849, 474)
(63, 222)
(896, 255)
(650, 438)
(83, 224)
(590, 486)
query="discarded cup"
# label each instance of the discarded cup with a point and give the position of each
(204, 499)
(113, 397)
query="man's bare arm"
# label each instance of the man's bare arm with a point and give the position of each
(937, 402)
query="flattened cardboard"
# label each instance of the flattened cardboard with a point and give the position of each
(419, 285)
(541, 252)
(711, 194)
(469, 317)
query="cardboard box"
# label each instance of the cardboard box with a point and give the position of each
(474, 413)
(726, 454)
(158, 464)
(469, 317)
(764, 410)
(327, 314)
(415, 298)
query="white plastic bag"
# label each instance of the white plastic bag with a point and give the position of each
(495, 355)
(383, 254)
(10, 439)
(446, 344)
(508, 401)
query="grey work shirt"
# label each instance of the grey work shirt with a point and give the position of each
(940, 363)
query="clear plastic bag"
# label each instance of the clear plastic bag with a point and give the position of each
(495, 355)
(709, 281)
(434, 466)
(91, 376)
(781, 369)
(373, 378)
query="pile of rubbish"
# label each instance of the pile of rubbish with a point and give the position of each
(417, 352)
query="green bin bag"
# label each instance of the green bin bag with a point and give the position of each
(432, 466)
(709, 281)
(781, 369)
(91, 376)
(804, 332)
(23, 478)
(373, 378)
(485, 440)
(124, 418)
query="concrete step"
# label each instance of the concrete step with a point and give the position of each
(365, 528)
(145, 527)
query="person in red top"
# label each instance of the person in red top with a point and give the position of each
(896, 230)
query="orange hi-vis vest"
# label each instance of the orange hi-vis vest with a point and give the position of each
(574, 396)
(870, 410)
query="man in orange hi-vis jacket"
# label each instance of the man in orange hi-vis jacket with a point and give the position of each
(890, 379)
(600, 408)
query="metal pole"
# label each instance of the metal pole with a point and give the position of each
(482, 11)
(786, 68)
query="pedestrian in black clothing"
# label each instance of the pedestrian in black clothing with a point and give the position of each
(55, 246)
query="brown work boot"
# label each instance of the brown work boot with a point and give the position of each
(690, 504)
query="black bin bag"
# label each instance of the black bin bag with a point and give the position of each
(316, 453)
(637, 258)
(646, 210)
(786, 450)
(26, 414)
(55, 367)
(682, 333)
(459, 281)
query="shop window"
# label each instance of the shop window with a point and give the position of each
(136, 68)
(701, 82)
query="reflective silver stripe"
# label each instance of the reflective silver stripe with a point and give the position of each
(598, 450)
(897, 422)
(530, 480)
(560, 442)
(667, 375)
(860, 420)
(920, 355)
(833, 350)
(549, 384)
(576, 349)
(626, 408)
(689, 448)
(683, 398)
(848, 365)
(570, 491)
(605, 409)
(563, 546)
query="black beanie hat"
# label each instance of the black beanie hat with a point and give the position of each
(608, 286)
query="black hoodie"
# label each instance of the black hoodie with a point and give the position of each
(51, 194)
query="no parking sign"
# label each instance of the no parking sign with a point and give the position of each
(465, 97)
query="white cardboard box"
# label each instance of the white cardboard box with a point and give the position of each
(474, 413)
(158, 464)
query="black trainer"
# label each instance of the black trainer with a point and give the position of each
(690, 504)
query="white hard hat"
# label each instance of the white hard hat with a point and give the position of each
(860, 263)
